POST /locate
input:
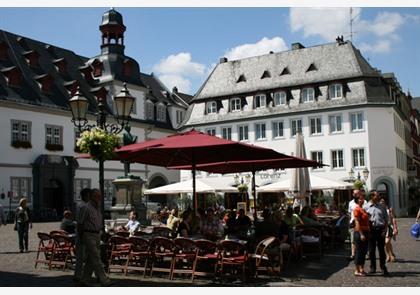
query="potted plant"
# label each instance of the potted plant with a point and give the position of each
(21, 144)
(99, 144)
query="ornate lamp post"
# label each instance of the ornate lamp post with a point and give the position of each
(123, 106)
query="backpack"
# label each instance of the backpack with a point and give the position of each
(415, 230)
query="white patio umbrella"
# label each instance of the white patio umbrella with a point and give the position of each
(300, 185)
(317, 183)
(202, 186)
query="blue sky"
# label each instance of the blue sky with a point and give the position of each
(182, 45)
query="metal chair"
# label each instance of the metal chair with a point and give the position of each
(184, 256)
(45, 246)
(61, 251)
(206, 259)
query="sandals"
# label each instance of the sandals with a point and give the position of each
(359, 274)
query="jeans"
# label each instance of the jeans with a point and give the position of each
(361, 248)
(23, 229)
(377, 239)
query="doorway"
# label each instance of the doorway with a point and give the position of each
(52, 207)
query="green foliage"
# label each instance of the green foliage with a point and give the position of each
(99, 144)
(358, 184)
(242, 188)
(21, 144)
(54, 147)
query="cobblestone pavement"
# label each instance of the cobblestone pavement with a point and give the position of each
(333, 269)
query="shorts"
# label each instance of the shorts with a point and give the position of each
(351, 231)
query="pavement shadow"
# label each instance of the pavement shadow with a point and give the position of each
(14, 279)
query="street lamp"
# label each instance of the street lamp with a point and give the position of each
(123, 105)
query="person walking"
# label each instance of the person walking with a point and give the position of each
(2, 216)
(22, 223)
(357, 194)
(80, 251)
(361, 235)
(90, 231)
(379, 220)
(391, 233)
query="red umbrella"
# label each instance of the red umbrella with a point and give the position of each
(193, 148)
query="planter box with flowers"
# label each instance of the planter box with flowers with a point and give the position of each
(99, 144)
(54, 147)
(21, 144)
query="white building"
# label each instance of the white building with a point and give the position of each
(36, 81)
(350, 114)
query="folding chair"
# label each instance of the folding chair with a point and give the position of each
(162, 252)
(206, 259)
(139, 254)
(120, 250)
(162, 231)
(45, 246)
(184, 256)
(233, 255)
(122, 233)
(62, 250)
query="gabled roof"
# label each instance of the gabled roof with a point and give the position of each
(333, 61)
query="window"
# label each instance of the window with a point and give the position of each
(179, 116)
(211, 131)
(260, 131)
(280, 98)
(316, 125)
(21, 131)
(211, 107)
(296, 126)
(150, 110)
(243, 132)
(109, 190)
(20, 187)
(335, 91)
(308, 94)
(337, 159)
(53, 134)
(161, 113)
(356, 121)
(358, 157)
(278, 131)
(259, 101)
(317, 156)
(79, 184)
(335, 123)
(227, 133)
(235, 104)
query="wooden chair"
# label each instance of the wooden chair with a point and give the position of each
(45, 246)
(311, 240)
(268, 256)
(206, 259)
(61, 251)
(122, 233)
(120, 251)
(162, 252)
(162, 231)
(59, 231)
(139, 254)
(184, 256)
(233, 255)
(140, 233)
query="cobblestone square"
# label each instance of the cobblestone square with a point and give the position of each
(332, 270)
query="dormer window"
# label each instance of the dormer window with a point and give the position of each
(308, 94)
(211, 107)
(280, 98)
(61, 65)
(312, 67)
(13, 76)
(266, 74)
(161, 113)
(241, 79)
(45, 83)
(127, 68)
(235, 104)
(335, 91)
(3, 50)
(31, 57)
(260, 101)
(97, 68)
(285, 71)
(150, 109)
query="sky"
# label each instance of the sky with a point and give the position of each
(181, 45)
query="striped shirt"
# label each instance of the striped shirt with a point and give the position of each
(377, 214)
(90, 218)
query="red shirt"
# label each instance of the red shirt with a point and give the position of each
(363, 218)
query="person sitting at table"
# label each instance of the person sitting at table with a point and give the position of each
(307, 217)
(211, 225)
(292, 219)
(342, 225)
(184, 228)
(132, 225)
(321, 209)
(229, 222)
(242, 223)
(173, 220)
(266, 227)
(68, 224)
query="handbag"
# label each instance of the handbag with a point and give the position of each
(415, 230)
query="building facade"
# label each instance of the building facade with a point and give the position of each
(351, 115)
(37, 157)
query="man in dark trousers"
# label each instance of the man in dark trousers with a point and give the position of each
(378, 219)
(80, 255)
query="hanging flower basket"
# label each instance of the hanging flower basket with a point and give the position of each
(99, 144)
(242, 188)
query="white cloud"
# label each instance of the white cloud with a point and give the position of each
(381, 46)
(385, 23)
(180, 64)
(178, 70)
(264, 46)
(183, 84)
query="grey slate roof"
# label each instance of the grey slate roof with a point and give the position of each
(333, 62)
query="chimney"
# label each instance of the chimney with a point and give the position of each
(297, 45)
(271, 52)
(223, 60)
(175, 89)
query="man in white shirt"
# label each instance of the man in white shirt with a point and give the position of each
(132, 224)
(356, 193)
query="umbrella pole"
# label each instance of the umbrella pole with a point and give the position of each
(254, 192)
(194, 194)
